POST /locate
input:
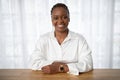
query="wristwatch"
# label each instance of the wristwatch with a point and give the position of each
(61, 68)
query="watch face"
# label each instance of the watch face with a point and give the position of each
(61, 68)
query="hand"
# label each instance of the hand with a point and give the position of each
(54, 68)
(50, 69)
(66, 69)
(58, 63)
(46, 69)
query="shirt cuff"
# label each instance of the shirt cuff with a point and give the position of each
(73, 69)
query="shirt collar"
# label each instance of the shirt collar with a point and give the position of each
(69, 36)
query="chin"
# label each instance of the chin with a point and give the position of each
(62, 30)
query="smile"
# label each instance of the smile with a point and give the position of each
(60, 26)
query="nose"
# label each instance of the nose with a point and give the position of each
(60, 21)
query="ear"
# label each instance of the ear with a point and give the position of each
(69, 19)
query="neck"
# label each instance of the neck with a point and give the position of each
(60, 36)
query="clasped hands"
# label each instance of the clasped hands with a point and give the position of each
(54, 68)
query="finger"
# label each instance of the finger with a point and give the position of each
(46, 69)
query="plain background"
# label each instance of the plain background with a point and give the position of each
(23, 21)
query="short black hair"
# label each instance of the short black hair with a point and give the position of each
(60, 5)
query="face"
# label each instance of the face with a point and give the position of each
(60, 19)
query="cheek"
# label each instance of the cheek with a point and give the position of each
(67, 22)
(54, 23)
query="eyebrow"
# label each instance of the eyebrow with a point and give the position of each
(62, 15)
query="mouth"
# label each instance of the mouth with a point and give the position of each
(60, 26)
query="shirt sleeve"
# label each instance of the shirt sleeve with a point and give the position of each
(84, 63)
(38, 57)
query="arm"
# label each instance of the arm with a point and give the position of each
(38, 57)
(84, 63)
(39, 61)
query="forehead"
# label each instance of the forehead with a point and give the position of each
(59, 10)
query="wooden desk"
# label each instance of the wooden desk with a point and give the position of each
(27, 74)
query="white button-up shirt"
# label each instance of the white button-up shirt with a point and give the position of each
(73, 51)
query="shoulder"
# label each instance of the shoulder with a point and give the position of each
(44, 37)
(80, 38)
(77, 36)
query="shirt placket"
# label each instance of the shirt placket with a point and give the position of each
(59, 50)
(61, 54)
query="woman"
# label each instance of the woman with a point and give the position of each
(61, 50)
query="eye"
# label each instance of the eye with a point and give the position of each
(55, 18)
(65, 17)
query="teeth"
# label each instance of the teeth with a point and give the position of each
(60, 25)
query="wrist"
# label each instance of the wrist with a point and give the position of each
(66, 68)
(63, 68)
